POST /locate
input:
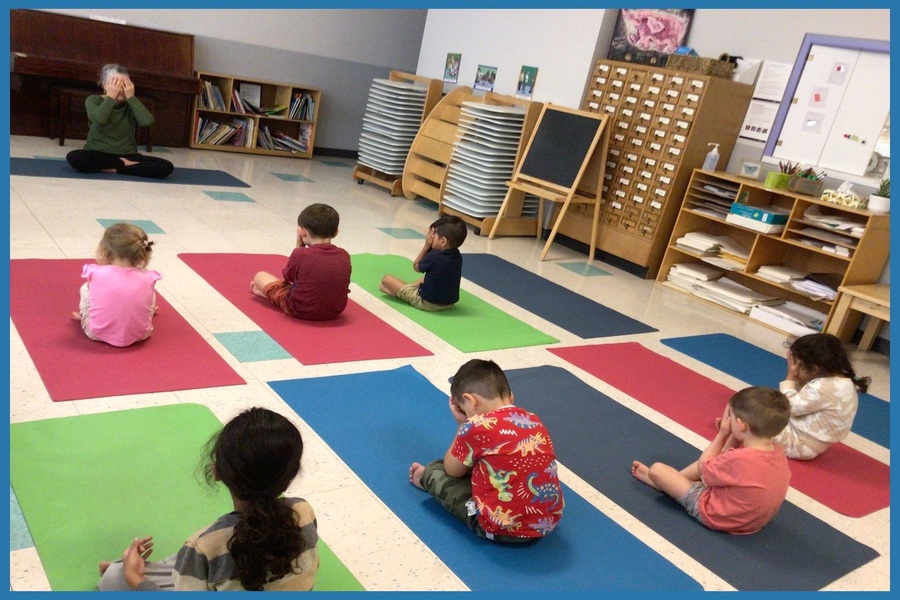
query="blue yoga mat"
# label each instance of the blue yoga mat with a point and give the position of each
(562, 307)
(756, 366)
(598, 438)
(403, 418)
(41, 167)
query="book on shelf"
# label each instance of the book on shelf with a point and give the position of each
(251, 92)
(297, 145)
(236, 104)
(753, 224)
(211, 98)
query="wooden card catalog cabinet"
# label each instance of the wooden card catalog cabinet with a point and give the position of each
(661, 121)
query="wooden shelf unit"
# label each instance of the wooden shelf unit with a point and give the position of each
(868, 253)
(271, 95)
(425, 172)
(661, 121)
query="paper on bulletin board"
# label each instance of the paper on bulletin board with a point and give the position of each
(758, 120)
(772, 81)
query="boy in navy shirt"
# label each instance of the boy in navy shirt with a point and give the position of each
(440, 261)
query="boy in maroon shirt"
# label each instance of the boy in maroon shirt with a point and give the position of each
(316, 280)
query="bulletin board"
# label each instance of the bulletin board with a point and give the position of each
(835, 104)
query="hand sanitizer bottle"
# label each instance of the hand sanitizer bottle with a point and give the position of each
(712, 158)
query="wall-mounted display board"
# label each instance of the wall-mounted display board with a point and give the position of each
(835, 105)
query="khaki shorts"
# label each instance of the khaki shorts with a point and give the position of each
(409, 293)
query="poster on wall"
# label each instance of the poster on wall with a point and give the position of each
(485, 77)
(451, 68)
(527, 78)
(649, 35)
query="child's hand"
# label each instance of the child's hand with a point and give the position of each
(793, 368)
(457, 412)
(429, 236)
(134, 559)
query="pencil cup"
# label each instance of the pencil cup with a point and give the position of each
(777, 181)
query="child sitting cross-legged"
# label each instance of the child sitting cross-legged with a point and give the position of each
(741, 479)
(499, 474)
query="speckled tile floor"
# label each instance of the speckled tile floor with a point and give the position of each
(61, 218)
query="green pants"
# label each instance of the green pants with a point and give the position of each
(455, 495)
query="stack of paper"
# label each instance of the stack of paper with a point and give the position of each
(687, 275)
(814, 289)
(733, 295)
(791, 317)
(780, 274)
(699, 243)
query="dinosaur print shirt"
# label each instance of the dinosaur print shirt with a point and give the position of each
(514, 482)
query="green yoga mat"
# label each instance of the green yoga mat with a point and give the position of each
(472, 325)
(88, 485)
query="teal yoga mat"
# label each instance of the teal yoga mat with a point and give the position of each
(403, 418)
(550, 301)
(598, 438)
(472, 325)
(42, 167)
(756, 366)
(87, 485)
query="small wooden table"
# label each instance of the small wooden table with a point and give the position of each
(873, 300)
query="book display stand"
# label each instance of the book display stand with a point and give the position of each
(564, 162)
(395, 110)
(236, 114)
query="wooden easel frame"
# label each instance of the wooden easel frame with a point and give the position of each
(594, 162)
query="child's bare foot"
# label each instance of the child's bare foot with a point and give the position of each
(104, 566)
(383, 289)
(641, 472)
(76, 316)
(416, 471)
(256, 291)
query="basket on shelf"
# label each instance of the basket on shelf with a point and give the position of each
(717, 67)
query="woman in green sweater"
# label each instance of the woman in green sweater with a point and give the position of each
(111, 146)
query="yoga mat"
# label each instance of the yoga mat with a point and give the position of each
(552, 302)
(89, 484)
(756, 366)
(472, 325)
(598, 438)
(41, 167)
(403, 418)
(73, 367)
(842, 478)
(356, 334)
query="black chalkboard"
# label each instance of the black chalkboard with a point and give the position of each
(561, 143)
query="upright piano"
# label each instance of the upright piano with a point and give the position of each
(49, 49)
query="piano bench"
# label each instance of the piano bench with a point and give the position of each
(61, 98)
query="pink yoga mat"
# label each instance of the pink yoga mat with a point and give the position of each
(844, 479)
(356, 335)
(43, 294)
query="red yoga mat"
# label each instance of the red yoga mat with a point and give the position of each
(355, 335)
(74, 367)
(843, 478)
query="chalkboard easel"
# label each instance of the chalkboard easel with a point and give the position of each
(564, 162)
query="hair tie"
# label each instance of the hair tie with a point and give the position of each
(147, 244)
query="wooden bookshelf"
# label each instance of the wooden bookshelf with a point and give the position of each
(795, 247)
(288, 112)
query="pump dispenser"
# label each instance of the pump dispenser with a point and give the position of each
(712, 158)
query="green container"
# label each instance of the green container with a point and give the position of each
(777, 181)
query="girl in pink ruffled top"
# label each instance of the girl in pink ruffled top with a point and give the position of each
(118, 300)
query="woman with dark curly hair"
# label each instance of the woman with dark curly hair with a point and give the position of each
(267, 543)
